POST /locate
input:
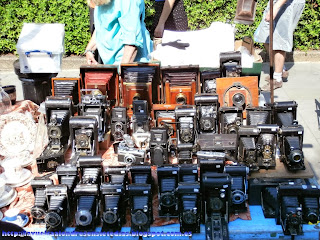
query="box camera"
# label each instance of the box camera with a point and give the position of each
(207, 113)
(230, 119)
(208, 80)
(258, 115)
(140, 117)
(94, 104)
(188, 173)
(84, 136)
(230, 64)
(40, 207)
(58, 112)
(239, 187)
(67, 87)
(266, 145)
(168, 177)
(119, 123)
(58, 215)
(87, 212)
(284, 113)
(90, 168)
(159, 146)
(189, 207)
(113, 206)
(140, 196)
(131, 156)
(180, 84)
(291, 142)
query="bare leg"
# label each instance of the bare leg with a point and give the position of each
(279, 59)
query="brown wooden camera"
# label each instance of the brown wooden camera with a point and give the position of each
(180, 84)
(239, 92)
(102, 77)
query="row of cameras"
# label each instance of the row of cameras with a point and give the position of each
(204, 128)
(206, 195)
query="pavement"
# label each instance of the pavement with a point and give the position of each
(302, 86)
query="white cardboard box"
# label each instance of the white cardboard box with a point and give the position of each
(40, 47)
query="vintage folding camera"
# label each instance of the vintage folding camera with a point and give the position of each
(68, 175)
(141, 174)
(239, 187)
(58, 112)
(102, 77)
(189, 207)
(188, 173)
(87, 213)
(84, 136)
(215, 188)
(58, 215)
(258, 115)
(140, 196)
(230, 64)
(266, 145)
(168, 178)
(119, 123)
(207, 106)
(116, 175)
(90, 169)
(94, 104)
(131, 156)
(230, 119)
(309, 198)
(113, 206)
(248, 136)
(290, 210)
(291, 142)
(164, 115)
(67, 87)
(223, 143)
(40, 207)
(140, 82)
(211, 161)
(180, 84)
(284, 113)
(140, 117)
(159, 146)
(208, 80)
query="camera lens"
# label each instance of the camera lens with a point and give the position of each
(238, 99)
(38, 213)
(110, 217)
(167, 199)
(238, 197)
(139, 218)
(296, 156)
(186, 135)
(129, 159)
(53, 219)
(181, 99)
(54, 132)
(216, 204)
(83, 218)
(189, 217)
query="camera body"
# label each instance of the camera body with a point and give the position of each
(90, 169)
(116, 175)
(258, 115)
(84, 136)
(168, 178)
(208, 80)
(230, 119)
(189, 207)
(211, 161)
(159, 146)
(58, 215)
(284, 113)
(87, 212)
(230, 64)
(140, 117)
(94, 104)
(40, 207)
(68, 175)
(291, 142)
(131, 156)
(119, 123)
(188, 173)
(66, 87)
(207, 113)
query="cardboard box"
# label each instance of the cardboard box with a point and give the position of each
(247, 42)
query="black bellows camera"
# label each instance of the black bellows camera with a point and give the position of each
(168, 177)
(87, 213)
(90, 169)
(116, 175)
(188, 173)
(207, 113)
(94, 104)
(68, 175)
(258, 115)
(58, 112)
(284, 113)
(159, 146)
(58, 215)
(119, 123)
(40, 207)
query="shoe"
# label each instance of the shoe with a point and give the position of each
(276, 85)
(285, 74)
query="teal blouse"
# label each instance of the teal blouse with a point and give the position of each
(119, 23)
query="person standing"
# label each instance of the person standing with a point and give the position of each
(286, 14)
(120, 33)
(170, 15)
